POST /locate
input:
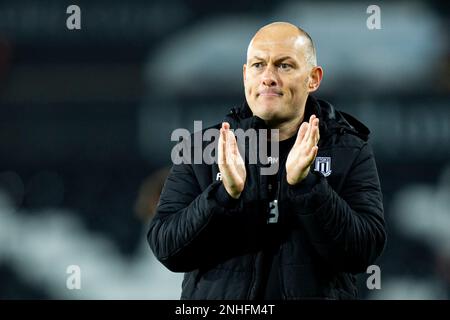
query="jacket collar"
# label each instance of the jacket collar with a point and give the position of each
(331, 121)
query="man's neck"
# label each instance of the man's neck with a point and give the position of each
(287, 128)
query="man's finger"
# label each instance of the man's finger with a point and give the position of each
(313, 153)
(231, 145)
(312, 141)
(230, 142)
(301, 132)
(313, 136)
(308, 133)
(317, 135)
(224, 135)
(317, 132)
(221, 147)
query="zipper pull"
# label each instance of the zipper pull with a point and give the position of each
(273, 208)
(273, 212)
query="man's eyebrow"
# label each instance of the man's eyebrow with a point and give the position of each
(284, 58)
(256, 58)
(277, 60)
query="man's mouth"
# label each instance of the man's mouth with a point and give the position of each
(269, 93)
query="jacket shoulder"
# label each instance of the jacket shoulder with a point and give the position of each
(340, 122)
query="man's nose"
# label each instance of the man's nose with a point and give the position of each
(269, 77)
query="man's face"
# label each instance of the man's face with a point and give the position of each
(277, 76)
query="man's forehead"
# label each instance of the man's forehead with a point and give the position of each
(290, 46)
(294, 42)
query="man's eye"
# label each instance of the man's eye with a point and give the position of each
(257, 65)
(285, 66)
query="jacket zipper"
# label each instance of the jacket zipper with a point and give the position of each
(280, 273)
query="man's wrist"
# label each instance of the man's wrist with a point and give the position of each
(305, 185)
(293, 182)
(224, 198)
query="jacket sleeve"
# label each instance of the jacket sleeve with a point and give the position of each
(189, 228)
(347, 230)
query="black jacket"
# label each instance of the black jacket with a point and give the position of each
(333, 226)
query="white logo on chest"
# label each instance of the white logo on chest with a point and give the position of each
(323, 165)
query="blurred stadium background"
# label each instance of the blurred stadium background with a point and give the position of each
(86, 117)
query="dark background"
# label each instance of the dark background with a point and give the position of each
(86, 117)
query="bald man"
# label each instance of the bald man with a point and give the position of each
(301, 232)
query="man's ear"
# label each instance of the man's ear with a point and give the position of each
(315, 77)
(244, 68)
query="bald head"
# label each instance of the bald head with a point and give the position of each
(288, 34)
(280, 72)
